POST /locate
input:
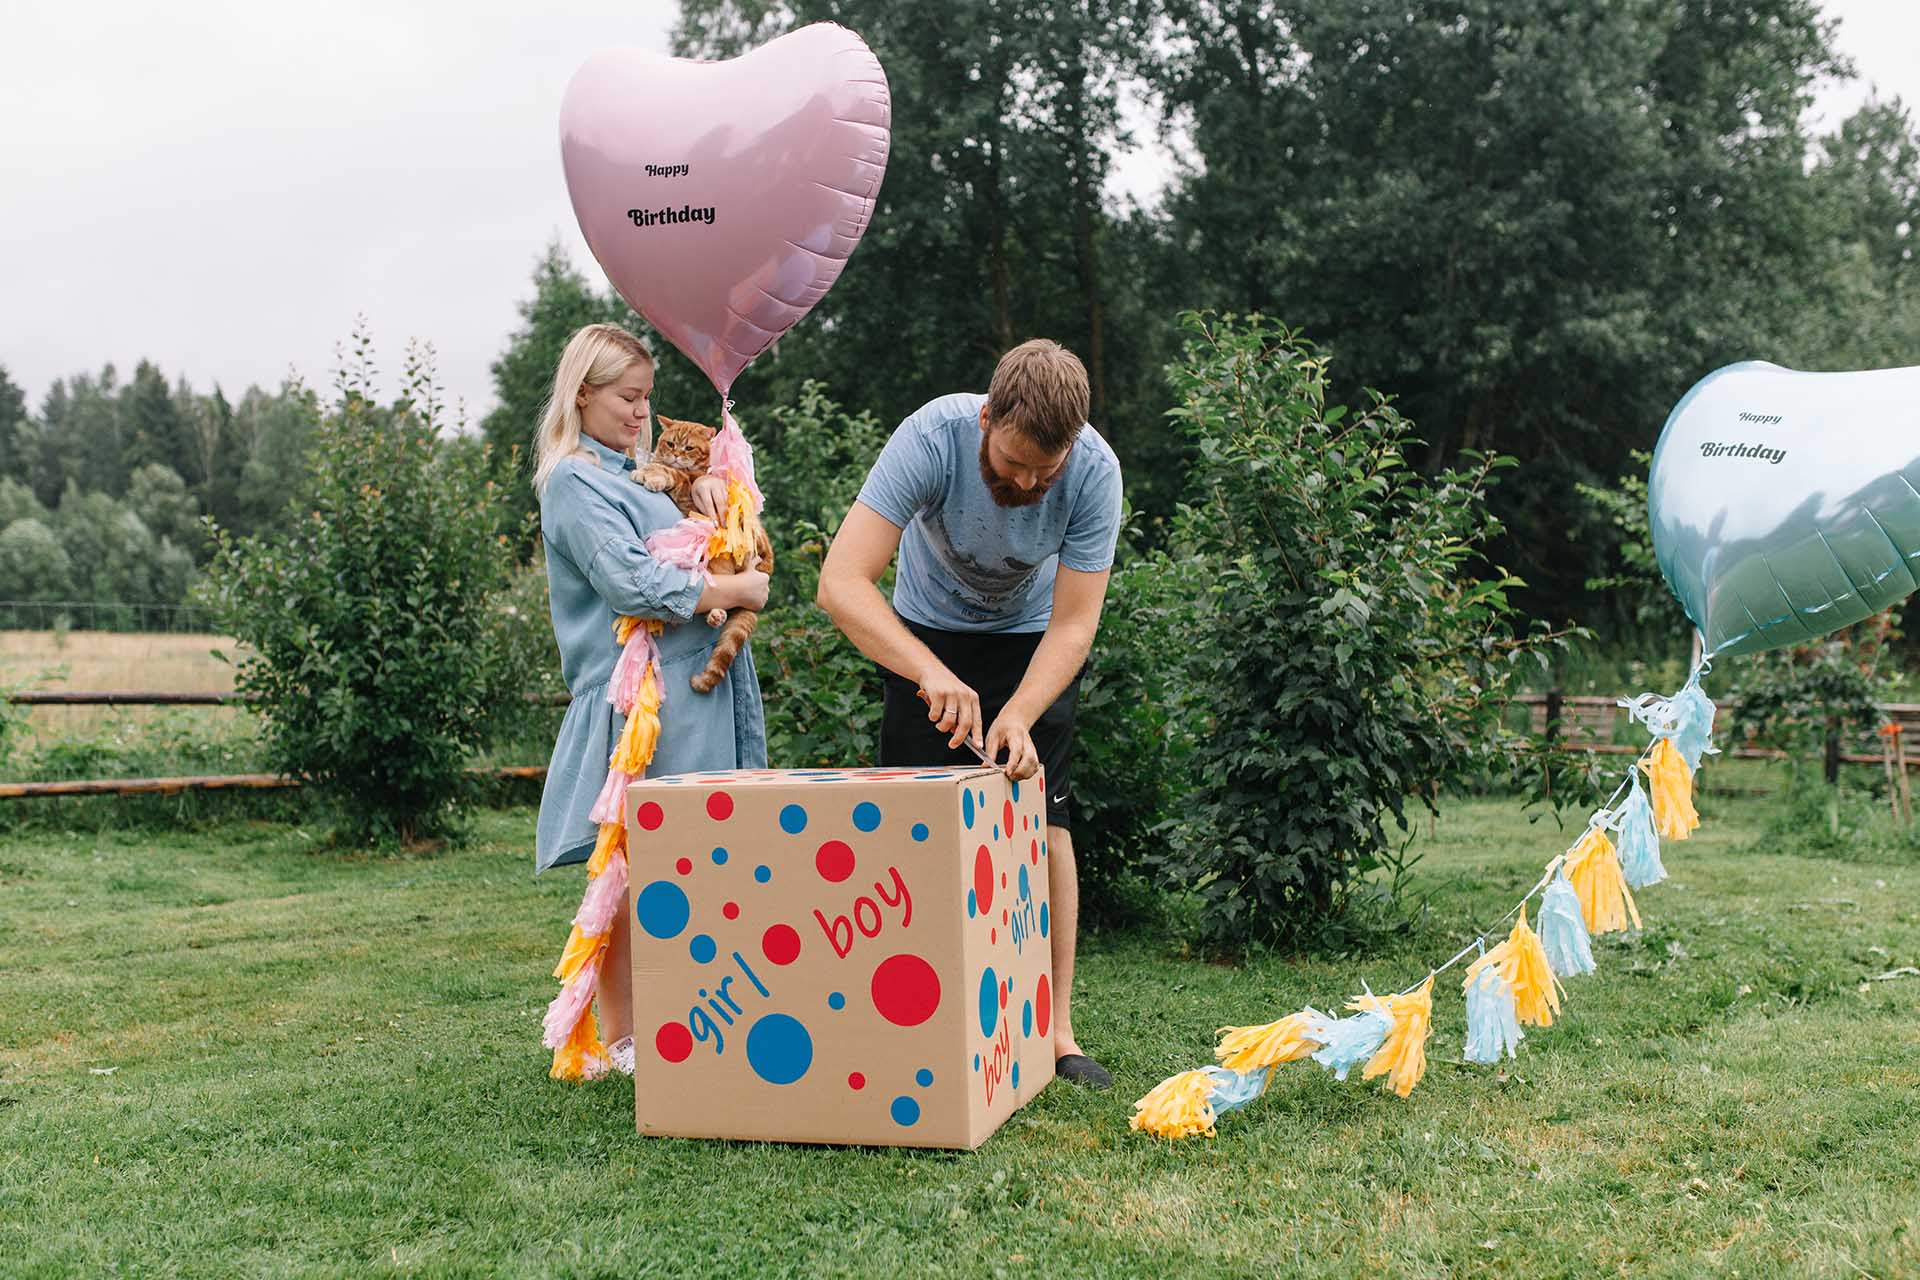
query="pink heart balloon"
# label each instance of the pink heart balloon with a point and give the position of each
(723, 198)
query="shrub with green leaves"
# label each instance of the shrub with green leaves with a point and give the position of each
(376, 655)
(822, 694)
(1356, 650)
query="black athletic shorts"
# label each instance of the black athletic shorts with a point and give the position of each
(992, 664)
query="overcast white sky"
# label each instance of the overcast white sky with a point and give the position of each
(221, 187)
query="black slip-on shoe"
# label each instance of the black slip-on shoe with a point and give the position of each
(1079, 1069)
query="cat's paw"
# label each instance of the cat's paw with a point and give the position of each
(716, 617)
(655, 477)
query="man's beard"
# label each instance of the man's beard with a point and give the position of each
(1005, 493)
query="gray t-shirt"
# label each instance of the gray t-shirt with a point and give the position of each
(967, 563)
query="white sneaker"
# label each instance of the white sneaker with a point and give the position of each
(620, 1053)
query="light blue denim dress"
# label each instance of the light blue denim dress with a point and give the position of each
(594, 520)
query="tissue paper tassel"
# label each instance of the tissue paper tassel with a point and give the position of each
(1351, 1041)
(1522, 964)
(1189, 1103)
(1639, 846)
(1563, 934)
(1493, 1024)
(1402, 1058)
(1693, 731)
(1592, 867)
(1673, 812)
(1288, 1040)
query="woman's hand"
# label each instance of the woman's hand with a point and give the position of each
(710, 497)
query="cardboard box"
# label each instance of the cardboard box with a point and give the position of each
(856, 956)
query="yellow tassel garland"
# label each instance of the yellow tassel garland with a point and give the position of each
(733, 538)
(1250, 1048)
(1522, 961)
(1402, 1057)
(582, 1056)
(642, 733)
(1178, 1107)
(1594, 868)
(1671, 785)
(613, 839)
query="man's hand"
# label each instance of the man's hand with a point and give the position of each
(1015, 736)
(710, 497)
(951, 705)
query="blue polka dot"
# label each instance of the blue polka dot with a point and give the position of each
(1016, 1075)
(763, 873)
(662, 909)
(905, 1111)
(989, 1002)
(981, 800)
(923, 1077)
(1043, 919)
(996, 831)
(976, 1062)
(793, 819)
(966, 808)
(836, 1001)
(1016, 793)
(701, 948)
(1026, 889)
(919, 832)
(1026, 1018)
(719, 857)
(973, 908)
(866, 815)
(931, 777)
(1043, 848)
(779, 1049)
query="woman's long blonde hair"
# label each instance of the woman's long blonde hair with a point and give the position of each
(595, 356)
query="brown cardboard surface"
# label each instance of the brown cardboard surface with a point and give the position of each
(846, 956)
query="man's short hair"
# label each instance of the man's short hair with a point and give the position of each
(1040, 389)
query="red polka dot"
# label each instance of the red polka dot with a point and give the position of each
(731, 911)
(856, 1081)
(650, 816)
(1023, 822)
(719, 806)
(1003, 915)
(780, 944)
(684, 866)
(1033, 851)
(1003, 996)
(834, 861)
(983, 879)
(993, 935)
(1003, 879)
(1006, 818)
(1043, 1005)
(673, 1041)
(906, 990)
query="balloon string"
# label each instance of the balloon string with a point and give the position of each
(1546, 877)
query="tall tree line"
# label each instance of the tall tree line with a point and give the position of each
(1532, 222)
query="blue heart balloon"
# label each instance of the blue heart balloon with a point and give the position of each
(1785, 505)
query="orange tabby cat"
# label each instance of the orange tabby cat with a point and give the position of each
(679, 458)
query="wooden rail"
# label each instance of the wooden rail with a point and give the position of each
(207, 782)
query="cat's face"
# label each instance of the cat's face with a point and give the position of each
(682, 445)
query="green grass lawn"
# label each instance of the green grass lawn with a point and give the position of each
(234, 1052)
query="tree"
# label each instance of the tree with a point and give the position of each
(374, 649)
(33, 564)
(16, 433)
(157, 494)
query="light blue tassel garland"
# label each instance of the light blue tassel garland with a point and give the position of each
(1351, 1041)
(1233, 1089)
(1639, 844)
(1562, 932)
(1492, 1022)
(1693, 731)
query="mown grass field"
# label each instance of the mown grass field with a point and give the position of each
(235, 1051)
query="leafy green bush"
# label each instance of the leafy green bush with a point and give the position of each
(1353, 657)
(1797, 699)
(375, 657)
(822, 694)
(1134, 737)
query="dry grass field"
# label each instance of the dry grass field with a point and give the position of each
(96, 660)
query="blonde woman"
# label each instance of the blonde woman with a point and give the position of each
(594, 521)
